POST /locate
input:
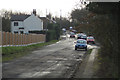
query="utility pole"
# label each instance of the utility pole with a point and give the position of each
(46, 12)
(60, 18)
(46, 24)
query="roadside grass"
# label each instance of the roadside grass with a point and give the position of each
(97, 64)
(106, 63)
(89, 51)
(9, 53)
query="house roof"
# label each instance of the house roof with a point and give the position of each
(19, 17)
(43, 18)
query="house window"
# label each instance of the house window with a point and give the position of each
(15, 23)
(15, 31)
(21, 28)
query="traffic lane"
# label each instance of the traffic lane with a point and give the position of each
(21, 62)
(50, 60)
(41, 52)
(66, 61)
(21, 65)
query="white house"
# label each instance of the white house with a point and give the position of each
(26, 23)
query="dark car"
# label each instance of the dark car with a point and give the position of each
(81, 44)
(79, 36)
(90, 39)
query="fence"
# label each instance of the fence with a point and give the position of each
(10, 39)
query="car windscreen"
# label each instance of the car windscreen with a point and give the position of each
(81, 41)
(90, 38)
(79, 35)
(72, 34)
(83, 36)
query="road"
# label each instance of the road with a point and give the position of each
(58, 60)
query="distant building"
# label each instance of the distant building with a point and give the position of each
(26, 23)
(46, 21)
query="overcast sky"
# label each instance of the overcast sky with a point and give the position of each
(53, 6)
(104, 0)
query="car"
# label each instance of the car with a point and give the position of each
(81, 44)
(90, 39)
(72, 35)
(79, 36)
(74, 31)
(84, 37)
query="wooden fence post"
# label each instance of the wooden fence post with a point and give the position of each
(25, 39)
(14, 39)
(0, 38)
(11, 39)
(30, 38)
(3, 38)
(22, 39)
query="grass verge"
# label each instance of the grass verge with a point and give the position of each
(9, 53)
(89, 51)
(106, 66)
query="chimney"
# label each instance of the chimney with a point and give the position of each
(34, 12)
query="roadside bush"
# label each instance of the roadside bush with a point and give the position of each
(53, 32)
(105, 29)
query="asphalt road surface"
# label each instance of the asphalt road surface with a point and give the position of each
(58, 60)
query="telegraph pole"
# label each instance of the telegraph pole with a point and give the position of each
(46, 24)
(46, 12)
(60, 18)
